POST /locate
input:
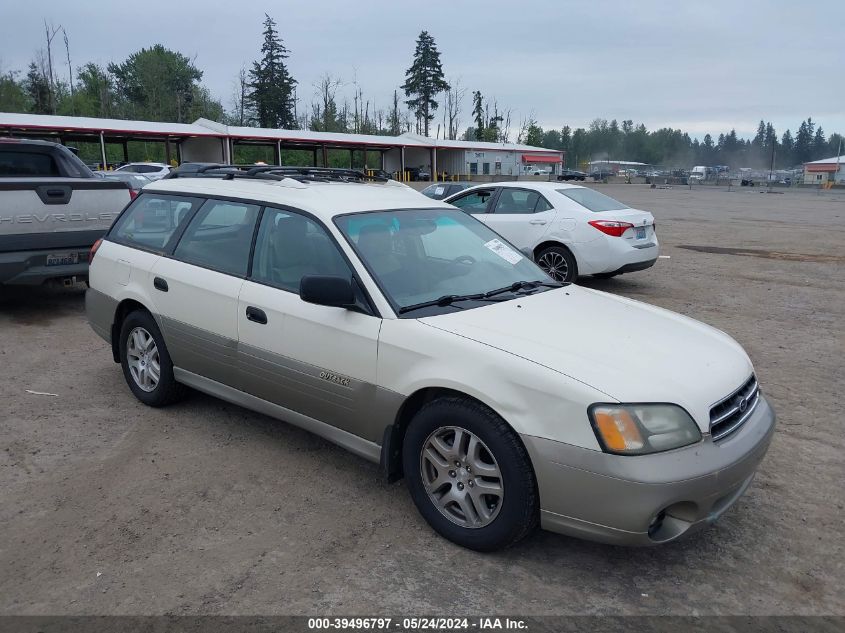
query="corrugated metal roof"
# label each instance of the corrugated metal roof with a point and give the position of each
(91, 124)
(832, 160)
(205, 127)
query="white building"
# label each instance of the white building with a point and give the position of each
(820, 172)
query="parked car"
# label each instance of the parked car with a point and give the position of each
(571, 174)
(52, 209)
(413, 335)
(441, 190)
(569, 230)
(153, 171)
(539, 171)
(418, 173)
(134, 181)
(601, 174)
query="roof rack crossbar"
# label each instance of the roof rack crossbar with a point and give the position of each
(280, 172)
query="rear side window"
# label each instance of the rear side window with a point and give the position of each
(220, 237)
(517, 201)
(152, 220)
(13, 163)
(592, 200)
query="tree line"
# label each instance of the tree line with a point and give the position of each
(158, 84)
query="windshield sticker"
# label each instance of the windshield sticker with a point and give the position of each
(503, 251)
(438, 191)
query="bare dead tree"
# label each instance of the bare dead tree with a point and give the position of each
(505, 132)
(240, 99)
(50, 32)
(70, 73)
(452, 109)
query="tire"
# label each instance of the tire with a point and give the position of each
(492, 521)
(558, 263)
(141, 347)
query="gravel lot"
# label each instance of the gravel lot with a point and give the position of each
(109, 507)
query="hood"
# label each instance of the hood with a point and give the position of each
(631, 351)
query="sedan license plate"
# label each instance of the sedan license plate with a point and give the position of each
(62, 259)
(640, 232)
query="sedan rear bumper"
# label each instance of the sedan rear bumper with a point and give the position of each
(649, 499)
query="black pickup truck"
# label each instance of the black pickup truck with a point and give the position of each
(52, 210)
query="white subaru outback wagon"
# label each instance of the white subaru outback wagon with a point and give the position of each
(410, 333)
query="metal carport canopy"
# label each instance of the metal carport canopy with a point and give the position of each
(69, 125)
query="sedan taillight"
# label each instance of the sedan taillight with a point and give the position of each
(611, 227)
(93, 250)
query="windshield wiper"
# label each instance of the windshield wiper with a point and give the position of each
(522, 285)
(445, 300)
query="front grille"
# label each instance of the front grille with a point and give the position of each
(730, 414)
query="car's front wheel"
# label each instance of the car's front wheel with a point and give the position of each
(558, 263)
(146, 363)
(469, 475)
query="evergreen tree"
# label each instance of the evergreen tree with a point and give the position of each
(819, 149)
(272, 88)
(803, 143)
(478, 114)
(424, 80)
(787, 150)
(38, 90)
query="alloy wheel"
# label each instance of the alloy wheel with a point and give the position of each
(143, 360)
(555, 265)
(461, 477)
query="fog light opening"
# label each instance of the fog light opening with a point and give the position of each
(656, 523)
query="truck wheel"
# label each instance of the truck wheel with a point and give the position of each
(146, 363)
(469, 475)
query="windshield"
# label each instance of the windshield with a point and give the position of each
(592, 200)
(420, 255)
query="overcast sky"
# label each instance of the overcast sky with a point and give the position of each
(703, 66)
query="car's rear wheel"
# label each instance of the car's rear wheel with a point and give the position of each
(558, 263)
(146, 363)
(469, 475)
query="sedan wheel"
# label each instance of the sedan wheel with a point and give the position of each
(461, 477)
(558, 263)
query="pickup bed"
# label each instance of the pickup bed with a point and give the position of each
(52, 210)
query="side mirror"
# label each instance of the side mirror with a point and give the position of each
(324, 290)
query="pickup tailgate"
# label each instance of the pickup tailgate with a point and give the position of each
(47, 225)
(45, 213)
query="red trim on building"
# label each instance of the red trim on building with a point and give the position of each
(537, 158)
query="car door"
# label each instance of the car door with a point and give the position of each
(315, 360)
(522, 216)
(196, 289)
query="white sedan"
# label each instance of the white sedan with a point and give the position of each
(569, 230)
(153, 171)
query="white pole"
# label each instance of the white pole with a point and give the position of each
(103, 150)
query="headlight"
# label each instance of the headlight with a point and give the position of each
(639, 429)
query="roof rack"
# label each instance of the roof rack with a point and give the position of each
(277, 172)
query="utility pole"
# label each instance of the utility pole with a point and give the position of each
(772, 166)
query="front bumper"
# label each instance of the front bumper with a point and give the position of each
(615, 498)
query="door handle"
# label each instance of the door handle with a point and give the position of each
(256, 315)
(160, 284)
(538, 222)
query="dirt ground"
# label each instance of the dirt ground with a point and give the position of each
(109, 507)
